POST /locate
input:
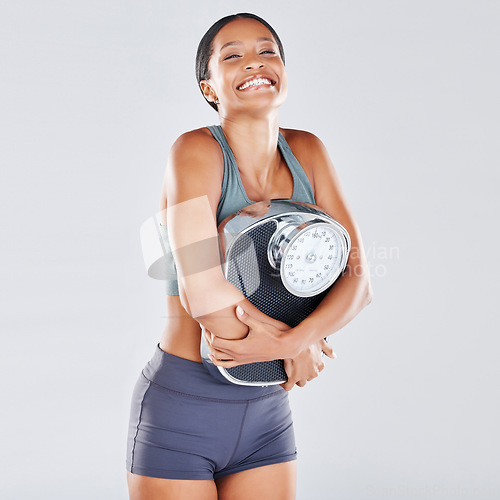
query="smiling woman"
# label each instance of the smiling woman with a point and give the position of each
(206, 48)
(248, 43)
(193, 435)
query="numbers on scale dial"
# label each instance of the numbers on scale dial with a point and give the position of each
(312, 259)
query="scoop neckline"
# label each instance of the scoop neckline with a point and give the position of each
(240, 182)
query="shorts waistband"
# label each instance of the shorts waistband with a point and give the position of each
(190, 377)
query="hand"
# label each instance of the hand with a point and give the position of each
(307, 365)
(265, 341)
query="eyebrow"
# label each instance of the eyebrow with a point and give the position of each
(237, 42)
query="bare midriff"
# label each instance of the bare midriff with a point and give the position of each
(182, 333)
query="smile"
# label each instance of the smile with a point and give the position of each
(256, 82)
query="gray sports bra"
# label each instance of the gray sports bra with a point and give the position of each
(233, 196)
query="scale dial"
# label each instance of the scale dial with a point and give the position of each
(310, 256)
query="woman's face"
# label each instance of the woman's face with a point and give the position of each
(246, 70)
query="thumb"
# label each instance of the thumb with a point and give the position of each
(328, 349)
(243, 316)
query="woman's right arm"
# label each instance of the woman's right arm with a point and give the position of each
(193, 182)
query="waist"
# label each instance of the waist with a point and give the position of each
(182, 334)
(189, 377)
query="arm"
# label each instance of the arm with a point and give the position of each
(192, 185)
(350, 294)
(301, 369)
(352, 291)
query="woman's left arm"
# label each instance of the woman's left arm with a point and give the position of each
(349, 295)
(352, 291)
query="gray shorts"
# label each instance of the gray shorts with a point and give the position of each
(187, 424)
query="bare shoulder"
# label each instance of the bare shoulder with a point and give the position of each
(196, 154)
(306, 147)
(328, 192)
(310, 152)
(301, 138)
(196, 143)
(315, 160)
(195, 167)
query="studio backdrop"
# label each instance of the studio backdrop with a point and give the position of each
(404, 96)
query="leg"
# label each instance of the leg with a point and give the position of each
(153, 488)
(167, 448)
(270, 482)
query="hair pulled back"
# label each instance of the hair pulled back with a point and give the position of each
(205, 47)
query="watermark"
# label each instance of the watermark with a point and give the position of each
(182, 244)
(197, 247)
(379, 257)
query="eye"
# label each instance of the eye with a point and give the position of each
(268, 52)
(231, 56)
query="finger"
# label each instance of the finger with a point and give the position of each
(221, 355)
(301, 383)
(219, 358)
(328, 349)
(224, 345)
(244, 317)
(218, 344)
(315, 374)
(288, 386)
(223, 363)
(258, 318)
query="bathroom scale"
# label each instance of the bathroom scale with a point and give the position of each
(284, 256)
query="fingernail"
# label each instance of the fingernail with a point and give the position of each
(239, 310)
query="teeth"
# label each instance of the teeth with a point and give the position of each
(253, 83)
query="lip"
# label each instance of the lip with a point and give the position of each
(254, 77)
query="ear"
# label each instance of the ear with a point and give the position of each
(207, 90)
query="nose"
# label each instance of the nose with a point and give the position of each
(254, 65)
(253, 62)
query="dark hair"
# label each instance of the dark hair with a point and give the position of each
(205, 48)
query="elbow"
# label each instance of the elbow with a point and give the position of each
(184, 300)
(367, 293)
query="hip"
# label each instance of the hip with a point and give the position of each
(191, 378)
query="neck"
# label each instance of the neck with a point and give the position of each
(254, 142)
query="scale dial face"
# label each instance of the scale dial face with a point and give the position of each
(312, 260)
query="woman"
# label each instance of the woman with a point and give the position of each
(193, 436)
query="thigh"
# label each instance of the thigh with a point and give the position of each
(270, 482)
(153, 488)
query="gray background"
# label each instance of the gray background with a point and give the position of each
(405, 97)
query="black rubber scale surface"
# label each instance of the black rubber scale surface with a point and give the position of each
(249, 270)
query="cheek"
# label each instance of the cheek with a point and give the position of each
(221, 77)
(284, 81)
(217, 76)
(281, 72)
